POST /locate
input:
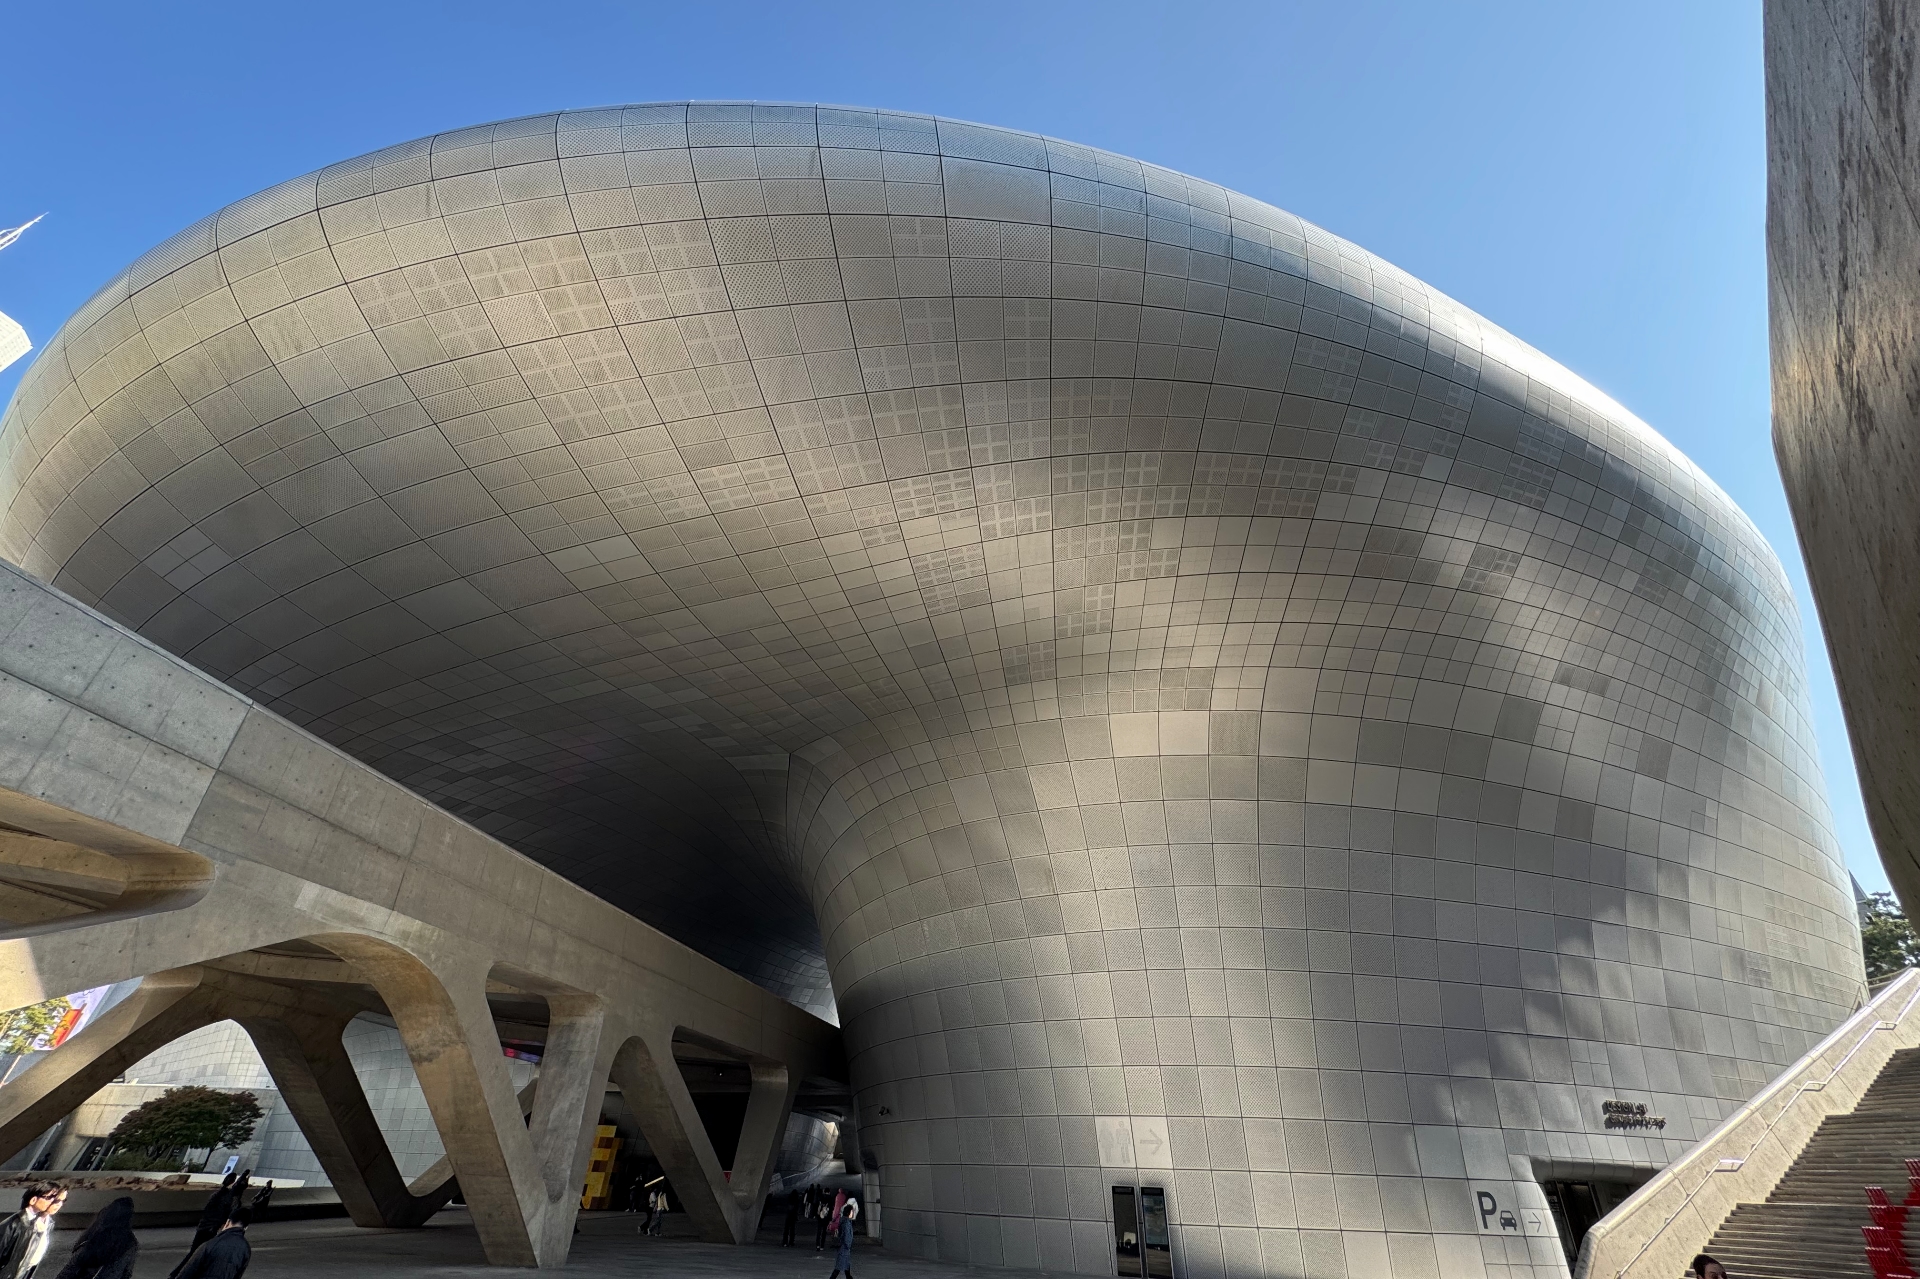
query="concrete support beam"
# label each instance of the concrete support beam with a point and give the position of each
(316, 1079)
(769, 1105)
(723, 1209)
(243, 844)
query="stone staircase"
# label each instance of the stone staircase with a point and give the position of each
(1809, 1227)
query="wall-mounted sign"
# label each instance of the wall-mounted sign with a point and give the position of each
(1133, 1141)
(1629, 1114)
(1498, 1211)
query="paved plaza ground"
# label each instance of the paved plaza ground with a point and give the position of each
(608, 1244)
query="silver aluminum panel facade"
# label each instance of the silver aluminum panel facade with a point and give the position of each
(1206, 709)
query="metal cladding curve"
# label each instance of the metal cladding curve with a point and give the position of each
(1216, 711)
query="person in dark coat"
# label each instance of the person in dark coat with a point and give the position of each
(793, 1219)
(822, 1213)
(106, 1248)
(261, 1198)
(221, 1204)
(224, 1256)
(843, 1233)
(25, 1235)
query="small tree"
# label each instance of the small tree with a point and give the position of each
(19, 1028)
(187, 1118)
(1886, 938)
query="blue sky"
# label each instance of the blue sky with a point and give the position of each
(1590, 177)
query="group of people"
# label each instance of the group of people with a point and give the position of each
(637, 1194)
(106, 1249)
(220, 1249)
(656, 1209)
(832, 1216)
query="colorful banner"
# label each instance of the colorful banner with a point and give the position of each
(75, 1018)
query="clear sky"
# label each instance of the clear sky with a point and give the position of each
(1590, 177)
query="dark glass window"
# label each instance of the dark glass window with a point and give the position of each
(1126, 1232)
(1156, 1246)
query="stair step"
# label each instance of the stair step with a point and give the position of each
(1810, 1223)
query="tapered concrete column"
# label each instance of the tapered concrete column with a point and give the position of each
(723, 1210)
(645, 1073)
(438, 1182)
(769, 1105)
(516, 1180)
(316, 1079)
(574, 1066)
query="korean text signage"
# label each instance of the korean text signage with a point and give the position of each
(1629, 1114)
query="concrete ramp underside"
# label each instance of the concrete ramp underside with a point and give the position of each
(155, 824)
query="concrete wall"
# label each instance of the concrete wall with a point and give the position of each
(1843, 252)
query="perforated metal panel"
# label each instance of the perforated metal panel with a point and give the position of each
(1185, 681)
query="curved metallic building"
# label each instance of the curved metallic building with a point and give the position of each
(1207, 710)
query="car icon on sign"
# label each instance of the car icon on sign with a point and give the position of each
(1507, 1222)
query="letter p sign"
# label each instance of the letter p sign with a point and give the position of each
(1488, 1206)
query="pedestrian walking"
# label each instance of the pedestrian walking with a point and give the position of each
(658, 1205)
(221, 1205)
(794, 1203)
(260, 1200)
(822, 1210)
(225, 1256)
(629, 1196)
(843, 1231)
(106, 1248)
(25, 1235)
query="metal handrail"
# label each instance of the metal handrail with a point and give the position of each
(1812, 1085)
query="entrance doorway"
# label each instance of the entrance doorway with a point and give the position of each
(1142, 1241)
(1577, 1205)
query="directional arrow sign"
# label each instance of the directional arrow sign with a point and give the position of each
(1151, 1146)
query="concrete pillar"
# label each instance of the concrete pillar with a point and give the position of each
(657, 1094)
(438, 1181)
(769, 1105)
(316, 1079)
(723, 1211)
(518, 1181)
